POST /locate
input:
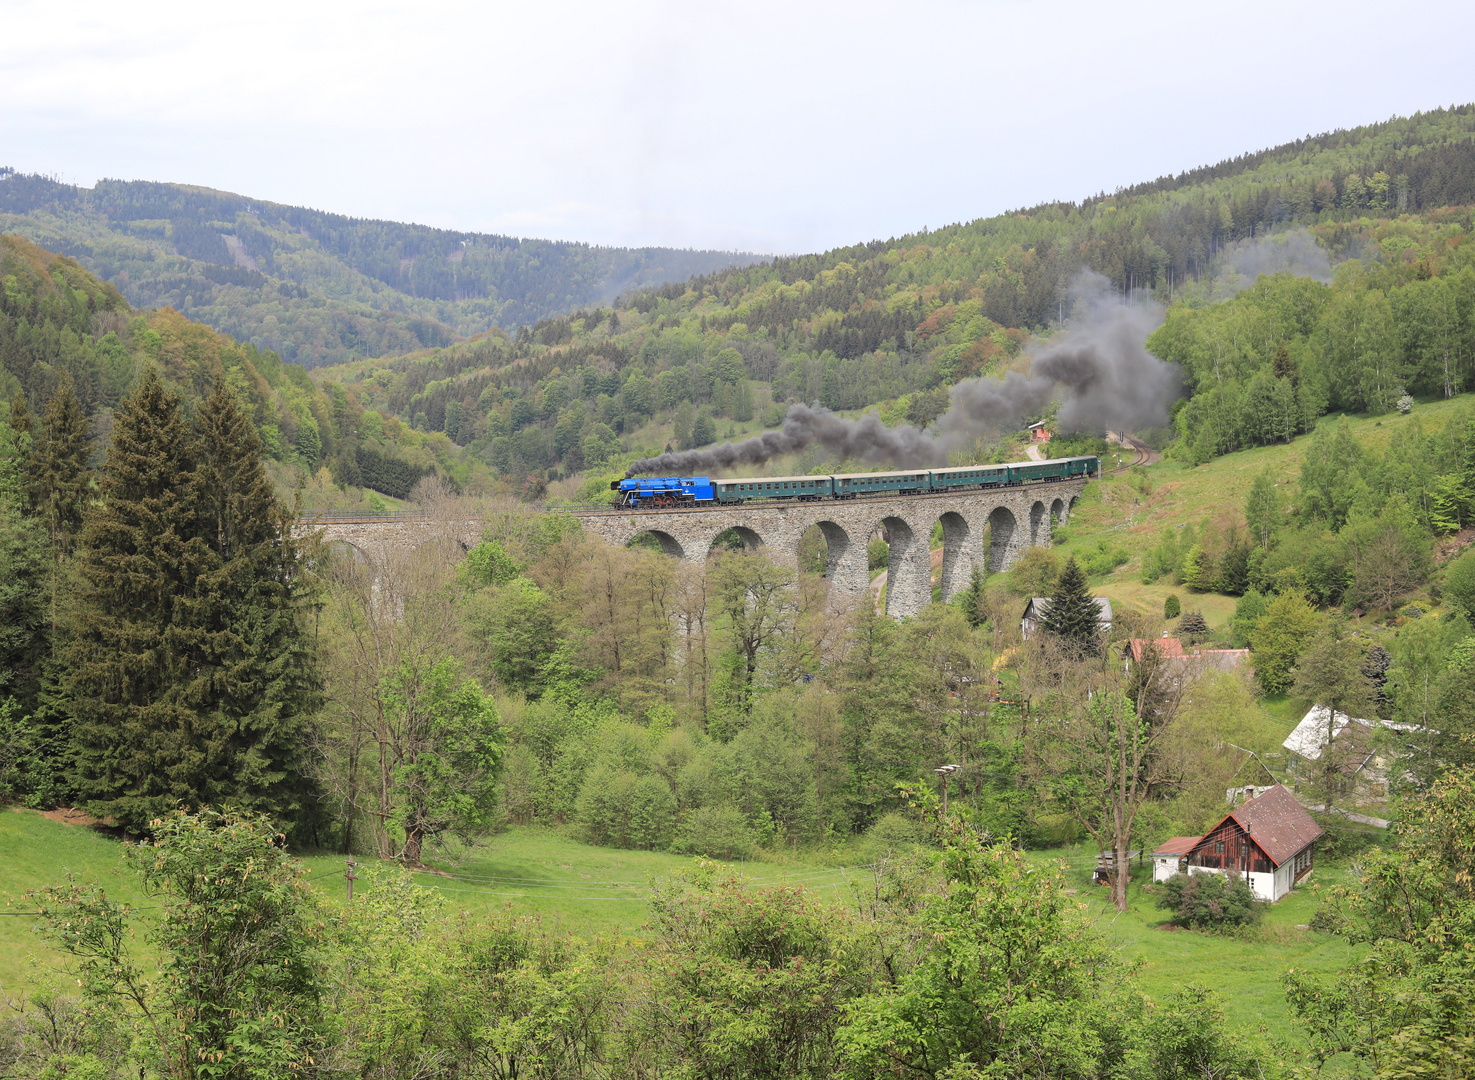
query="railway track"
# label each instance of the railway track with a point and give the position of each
(1142, 454)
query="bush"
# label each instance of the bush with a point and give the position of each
(626, 811)
(1210, 901)
(1172, 606)
(1105, 559)
(894, 831)
(878, 553)
(1459, 584)
(716, 832)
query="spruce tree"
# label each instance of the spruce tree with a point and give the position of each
(1193, 626)
(191, 674)
(59, 487)
(59, 476)
(142, 743)
(249, 597)
(1073, 615)
(973, 599)
(20, 415)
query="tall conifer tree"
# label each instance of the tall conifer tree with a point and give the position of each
(190, 671)
(250, 596)
(59, 486)
(59, 476)
(143, 745)
(1073, 615)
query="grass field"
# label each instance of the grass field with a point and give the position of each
(582, 889)
(1244, 971)
(588, 890)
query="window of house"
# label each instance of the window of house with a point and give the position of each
(1218, 847)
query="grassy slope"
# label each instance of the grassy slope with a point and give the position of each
(583, 889)
(589, 890)
(1122, 509)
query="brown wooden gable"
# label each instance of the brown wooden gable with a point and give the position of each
(1228, 847)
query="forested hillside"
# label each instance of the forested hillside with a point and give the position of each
(317, 287)
(62, 327)
(1368, 225)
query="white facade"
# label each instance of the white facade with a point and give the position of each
(1165, 866)
(1267, 887)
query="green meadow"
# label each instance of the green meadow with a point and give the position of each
(590, 890)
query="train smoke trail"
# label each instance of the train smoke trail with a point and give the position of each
(1100, 370)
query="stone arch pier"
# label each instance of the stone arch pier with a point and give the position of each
(979, 528)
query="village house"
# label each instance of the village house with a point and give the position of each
(1346, 744)
(1035, 610)
(1175, 661)
(1269, 839)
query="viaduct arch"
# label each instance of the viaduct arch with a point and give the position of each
(1008, 521)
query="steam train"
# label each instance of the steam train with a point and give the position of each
(670, 492)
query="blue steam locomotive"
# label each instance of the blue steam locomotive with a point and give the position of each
(665, 492)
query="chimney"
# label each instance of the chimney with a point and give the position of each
(1165, 633)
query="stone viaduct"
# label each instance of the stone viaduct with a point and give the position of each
(1007, 521)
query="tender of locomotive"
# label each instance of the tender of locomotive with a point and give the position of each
(671, 492)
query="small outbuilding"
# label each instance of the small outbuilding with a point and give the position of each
(1169, 858)
(1269, 839)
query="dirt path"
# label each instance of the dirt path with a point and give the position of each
(1033, 453)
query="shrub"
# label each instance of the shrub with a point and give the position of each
(1171, 606)
(626, 811)
(1105, 559)
(717, 832)
(877, 554)
(893, 831)
(1210, 901)
(1459, 584)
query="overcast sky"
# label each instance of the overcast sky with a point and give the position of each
(774, 127)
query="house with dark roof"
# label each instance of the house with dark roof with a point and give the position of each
(1269, 839)
(1035, 610)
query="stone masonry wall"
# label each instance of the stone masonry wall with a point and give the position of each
(1021, 517)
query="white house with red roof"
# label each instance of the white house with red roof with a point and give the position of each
(1269, 839)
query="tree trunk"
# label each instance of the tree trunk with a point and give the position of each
(1121, 873)
(413, 844)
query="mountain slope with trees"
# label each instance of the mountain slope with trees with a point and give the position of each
(317, 287)
(71, 342)
(895, 323)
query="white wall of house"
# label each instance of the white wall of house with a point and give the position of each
(1267, 887)
(1164, 867)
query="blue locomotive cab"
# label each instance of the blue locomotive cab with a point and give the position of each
(663, 492)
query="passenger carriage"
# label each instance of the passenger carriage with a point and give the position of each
(851, 485)
(800, 488)
(970, 476)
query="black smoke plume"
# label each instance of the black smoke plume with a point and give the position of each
(1099, 370)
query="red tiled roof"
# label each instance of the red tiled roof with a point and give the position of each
(1277, 822)
(1178, 845)
(1166, 647)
